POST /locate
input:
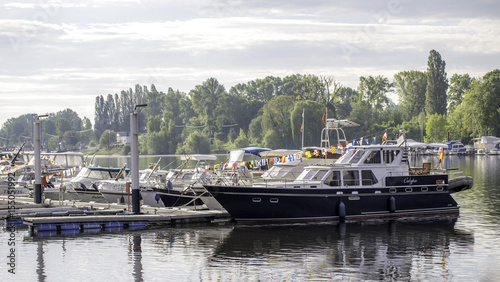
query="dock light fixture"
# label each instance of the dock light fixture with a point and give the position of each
(38, 168)
(134, 154)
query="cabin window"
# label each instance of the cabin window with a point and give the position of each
(312, 175)
(368, 178)
(350, 177)
(373, 158)
(356, 157)
(390, 155)
(320, 175)
(333, 179)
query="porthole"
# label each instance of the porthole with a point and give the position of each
(408, 189)
(424, 189)
(256, 200)
(439, 188)
(393, 190)
(274, 200)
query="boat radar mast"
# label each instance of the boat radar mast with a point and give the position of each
(335, 124)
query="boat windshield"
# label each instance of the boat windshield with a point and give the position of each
(351, 157)
(277, 172)
(87, 173)
(312, 174)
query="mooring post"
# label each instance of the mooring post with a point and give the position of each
(38, 167)
(134, 152)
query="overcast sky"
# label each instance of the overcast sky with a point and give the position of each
(62, 54)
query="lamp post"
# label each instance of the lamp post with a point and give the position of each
(134, 153)
(38, 168)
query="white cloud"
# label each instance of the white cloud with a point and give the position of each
(59, 49)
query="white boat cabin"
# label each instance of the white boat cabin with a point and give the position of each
(362, 166)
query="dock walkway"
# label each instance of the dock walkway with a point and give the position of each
(57, 217)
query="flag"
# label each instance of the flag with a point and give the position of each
(302, 126)
(374, 139)
(385, 136)
(361, 141)
(324, 118)
(298, 156)
(325, 153)
(441, 158)
(308, 154)
(332, 149)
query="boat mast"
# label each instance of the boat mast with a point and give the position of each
(302, 128)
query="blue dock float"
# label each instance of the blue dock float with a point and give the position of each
(46, 227)
(97, 223)
(70, 226)
(87, 226)
(113, 225)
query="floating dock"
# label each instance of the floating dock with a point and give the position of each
(69, 217)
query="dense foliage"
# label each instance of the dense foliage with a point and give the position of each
(269, 112)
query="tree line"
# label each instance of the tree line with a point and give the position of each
(268, 112)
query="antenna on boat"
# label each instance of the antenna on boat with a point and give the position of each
(302, 127)
(13, 161)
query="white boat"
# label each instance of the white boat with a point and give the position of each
(487, 145)
(55, 166)
(83, 187)
(455, 148)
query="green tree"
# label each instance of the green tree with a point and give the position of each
(313, 125)
(108, 138)
(62, 125)
(436, 128)
(483, 100)
(459, 123)
(343, 102)
(255, 132)
(206, 98)
(374, 90)
(437, 85)
(363, 114)
(196, 143)
(411, 87)
(86, 124)
(241, 141)
(276, 118)
(459, 83)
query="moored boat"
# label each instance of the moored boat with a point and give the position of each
(366, 182)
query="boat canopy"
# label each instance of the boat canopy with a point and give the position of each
(237, 154)
(332, 123)
(414, 144)
(278, 153)
(201, 157)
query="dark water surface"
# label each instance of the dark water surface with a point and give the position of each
(466, 248)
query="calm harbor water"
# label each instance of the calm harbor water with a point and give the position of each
(466, 248)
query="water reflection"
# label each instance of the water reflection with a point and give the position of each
(40, 266)
(137, 257)
(393, 250)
